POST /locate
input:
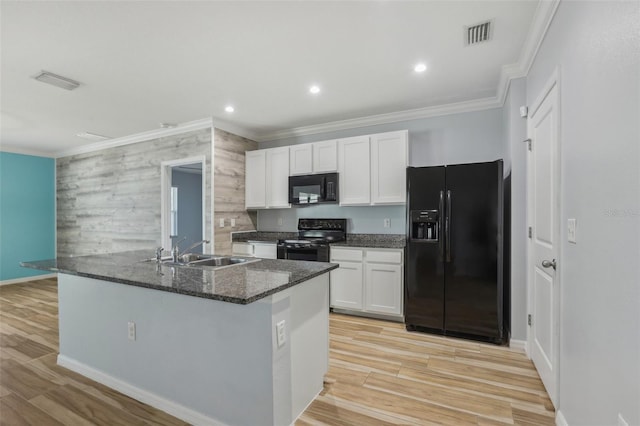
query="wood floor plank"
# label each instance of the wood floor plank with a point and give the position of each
(15, 411)
(23, 381)
(451, 398)
(91, 408)
(28, 348)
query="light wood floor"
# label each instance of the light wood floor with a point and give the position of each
(379, 374)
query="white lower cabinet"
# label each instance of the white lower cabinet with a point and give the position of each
(262, 250)
(346, 286)
(368, 280)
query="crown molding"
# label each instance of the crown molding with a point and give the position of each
(137, 137)
(235, 129)
(539, 25)
(25, 151)
(393, 117)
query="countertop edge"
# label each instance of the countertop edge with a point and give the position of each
(229, 299)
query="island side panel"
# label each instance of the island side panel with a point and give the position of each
(211, 357)
(309, 341)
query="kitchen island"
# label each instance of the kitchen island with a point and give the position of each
(240, 345)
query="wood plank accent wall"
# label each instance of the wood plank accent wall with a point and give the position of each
(109, 201)
(228, 182)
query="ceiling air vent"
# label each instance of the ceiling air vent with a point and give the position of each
(57, 80)
(477, 33)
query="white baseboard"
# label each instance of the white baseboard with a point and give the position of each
(518, 344)
(560, 420)
(159, 402)
(27, 279)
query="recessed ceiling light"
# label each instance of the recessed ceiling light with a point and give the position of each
(421, 67)
(92, 136)
(314, 89)
(57, 80)
(229, 108)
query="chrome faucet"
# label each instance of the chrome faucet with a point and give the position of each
(175, 250)
(159, 251)
(176, 253)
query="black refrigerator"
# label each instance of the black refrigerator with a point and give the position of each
(455, 281)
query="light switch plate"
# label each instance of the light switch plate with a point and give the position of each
(221, 223)
(233, 222)
(387, 223)
(279, 221)
(571, 230)
(131, 330)
(281, 333)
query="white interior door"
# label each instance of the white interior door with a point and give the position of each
(544, 218)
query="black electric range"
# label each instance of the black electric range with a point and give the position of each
(314, 237)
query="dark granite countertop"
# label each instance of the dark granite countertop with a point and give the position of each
(353, 240)
(264, 237)
(374, 241)
(240, 284)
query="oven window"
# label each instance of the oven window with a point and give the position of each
(306, 194)
(302, 254)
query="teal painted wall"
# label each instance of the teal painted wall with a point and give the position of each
(27, 212)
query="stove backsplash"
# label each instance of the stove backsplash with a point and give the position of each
(361, 220)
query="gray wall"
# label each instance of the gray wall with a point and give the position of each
(514, 132)
(596, 46)
(109, 201)
(189, 206)
(456, 138)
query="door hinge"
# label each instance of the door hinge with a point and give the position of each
(528, 142)
(529, 320)
(530, 232)
(524, 111)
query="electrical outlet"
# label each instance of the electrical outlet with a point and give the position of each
(233, 223)
(279, 221)
(132, 330)
(221, 223)
(622, 421)
(387, 223)
(571, 230)
(281, 333)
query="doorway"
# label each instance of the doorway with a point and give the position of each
(544, 259)
(183, 206)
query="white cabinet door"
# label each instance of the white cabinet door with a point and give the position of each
(255, 185)
(383, 288)
(277, 177)
(265, 250)
(325, 156)
(354, 167)
(388, 168)
(346, 286)
(242, 249)
(300, 159)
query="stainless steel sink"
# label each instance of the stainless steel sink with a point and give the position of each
(209, 260)
(219, 261)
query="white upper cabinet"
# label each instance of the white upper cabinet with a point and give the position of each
(354, 171)
(325, 156)
(267, 178)
(389, 154)
(255, 183)
(277, 177)
(310, 158)
(300, 159)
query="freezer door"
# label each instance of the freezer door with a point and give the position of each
(424, 280)
(473, 255)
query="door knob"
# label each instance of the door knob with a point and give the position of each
(549, 264)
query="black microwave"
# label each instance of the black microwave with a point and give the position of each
(313, 189)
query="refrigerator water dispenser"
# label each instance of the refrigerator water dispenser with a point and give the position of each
(425, 225)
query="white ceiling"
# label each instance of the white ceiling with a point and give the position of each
(146, 62)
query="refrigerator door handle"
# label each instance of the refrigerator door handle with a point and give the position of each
(447, 227)
(440, 220)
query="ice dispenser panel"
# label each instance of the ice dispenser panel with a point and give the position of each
(425, 225)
